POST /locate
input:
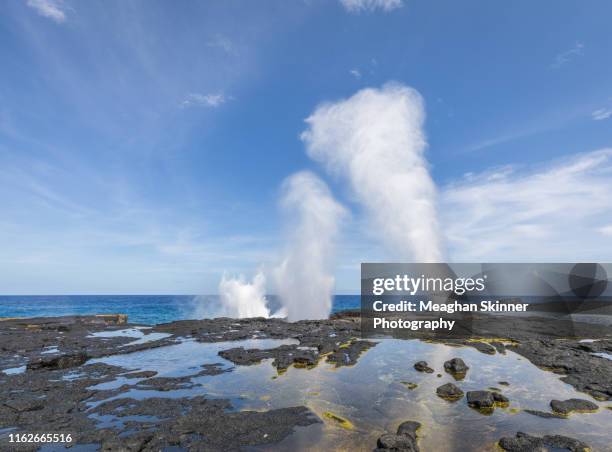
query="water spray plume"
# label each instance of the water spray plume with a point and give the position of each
(305, 278)
(240, 298)
(375, 140)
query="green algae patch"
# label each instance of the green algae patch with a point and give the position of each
(488, 340)
(303, 365)
(409, 385)
(342, 422)
(485, 411)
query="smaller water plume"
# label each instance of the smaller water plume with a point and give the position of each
(243, 299)
(305, 278)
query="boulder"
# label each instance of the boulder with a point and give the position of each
(565, 442)
(409, 428)
(523, 442)
(500, 398)
(456, 366)
(567, 406)
(422, 366)
(480, 399)
(449, 391)
(389, 441)
(405, 440)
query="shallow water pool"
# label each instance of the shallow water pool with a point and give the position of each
(373, 396)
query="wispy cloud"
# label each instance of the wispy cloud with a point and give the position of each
(203, 100)
(530, 126)
(82, 237)
(606, 230)
(357, 6)
(222, 42)
(53, 9)
(355, 73)
(558, 212)
(565, 57)
(601, 114)
(499, 140)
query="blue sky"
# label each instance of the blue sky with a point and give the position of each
(143, 143)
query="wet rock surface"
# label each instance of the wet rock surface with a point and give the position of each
(480, 399)
(500, 398)
(456, 367)
(524, 442)
(449, 391)
(545, 414)
(50, 378)
(60, 362)
(341, 354)
(422, 366)
(573, 405)
(562, 351)
(284, 356)
(405, 440)
(575, 360)
(486, 400)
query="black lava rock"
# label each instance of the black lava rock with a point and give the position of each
(480, 399)
(449, 391)
(405, 440)
(409, 428)
(422, 366)
(456, 366)
(500, 398)
(523, 442)
(395, 443)
(565, 442)
(59, 362)
(545, 414)
(567, 406)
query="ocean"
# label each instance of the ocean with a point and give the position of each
(144, 309)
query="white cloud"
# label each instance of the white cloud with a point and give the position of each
(558, 212)
(53, 9)
(602, 113)
(223, 43)
(356, 6)
(568, 55)
(606, 230)
(204, 100)
(355, 73)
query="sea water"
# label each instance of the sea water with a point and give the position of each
(143, 309)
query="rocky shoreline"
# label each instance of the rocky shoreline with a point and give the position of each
(47, 380)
